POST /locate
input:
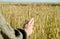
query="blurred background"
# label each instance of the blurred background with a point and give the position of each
(46, 16)
(29, 0)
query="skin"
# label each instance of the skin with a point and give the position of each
(28, 26)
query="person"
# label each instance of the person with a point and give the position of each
(7, 32)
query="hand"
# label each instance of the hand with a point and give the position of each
(28, 26)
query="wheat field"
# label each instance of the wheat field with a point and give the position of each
(46, 16)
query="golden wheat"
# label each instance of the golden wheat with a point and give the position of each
(47, 19)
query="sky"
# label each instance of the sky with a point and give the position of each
(29, 0)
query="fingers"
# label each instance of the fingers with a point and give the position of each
(28, 27)
(31, 22)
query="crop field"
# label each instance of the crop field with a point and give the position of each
(46, 16)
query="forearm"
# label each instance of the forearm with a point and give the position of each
(20, 33)
(6, 28)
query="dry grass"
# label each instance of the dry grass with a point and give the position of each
(47, 18)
